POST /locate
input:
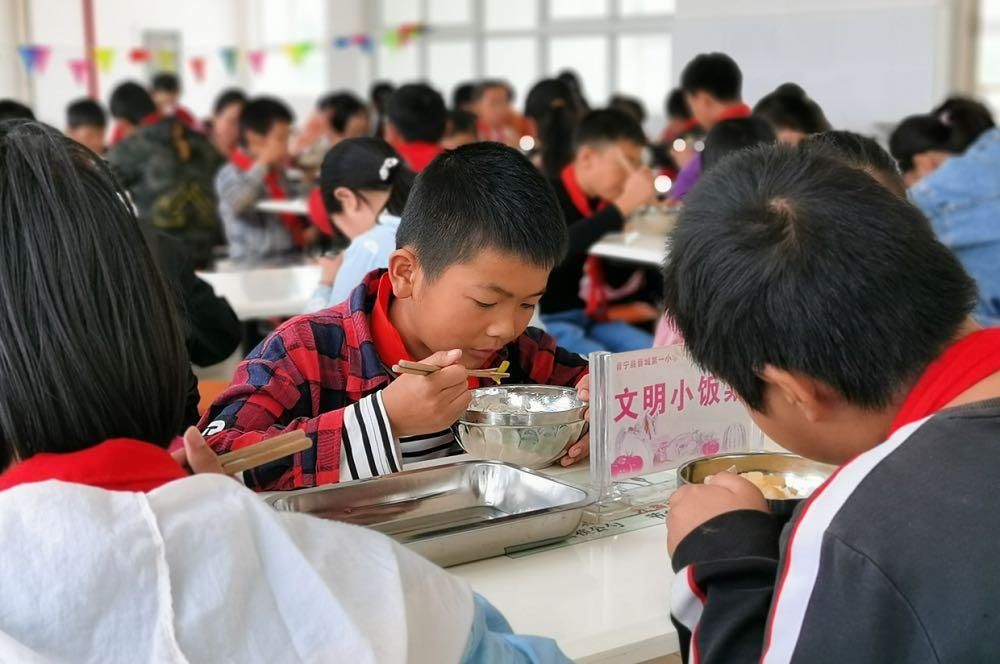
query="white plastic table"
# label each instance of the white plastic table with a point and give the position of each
(632, 247)
(282, 206)
(257, 293)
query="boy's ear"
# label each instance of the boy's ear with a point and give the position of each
(585, 156)
(403, 269)
(813, 398)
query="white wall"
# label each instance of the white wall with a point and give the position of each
(205, 25)
(865, 61)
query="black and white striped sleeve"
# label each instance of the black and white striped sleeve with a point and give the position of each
(368, 447)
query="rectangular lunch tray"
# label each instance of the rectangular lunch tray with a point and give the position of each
(455, 513)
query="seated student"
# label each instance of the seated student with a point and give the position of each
(604, 183)
(791, 113)
(417, 119)
(89, 497)
(461, 130)
(679, 119)
(378, 98)
(87, 124)
(347, 116)
(224, 127)
(713, 88)
(959, 194)
(491, 102)
(572, 80)
(790, 282)
(631, 105)
(166, 92)
(15, 110)
(479, 234)
(364, 186)
(168, 168)
(551, 110)
(255, 172)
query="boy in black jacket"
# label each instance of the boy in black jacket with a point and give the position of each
(605, 183)
(830, 307)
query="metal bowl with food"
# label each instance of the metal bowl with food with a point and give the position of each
(526, 425)
(785, 479)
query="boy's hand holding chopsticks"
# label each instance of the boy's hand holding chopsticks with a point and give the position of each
(429, 402)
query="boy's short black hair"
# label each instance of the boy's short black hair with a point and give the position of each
(608, 125)
(714, 73)
(462, 94)
(166, 81)
(227, 98)
(731, 136)
(917, 134)
(15, 110)
(341, 106)
(462, 122)
(676, 105)
(131, 102)
(486, 84)
(260, 114)
(379, 95)
(788, 107)
(631, 105)
(85, 113)
(857, 151)
(482, 196)
(785, 258)
(418, 113)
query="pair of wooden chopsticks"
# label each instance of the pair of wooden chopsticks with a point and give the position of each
(261, 453)
(418, 369)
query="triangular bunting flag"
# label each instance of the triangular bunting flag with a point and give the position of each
(139, 55)
(229, 55)
(42, 58)
(80, 68)
(34, 57)
(341, 42)
(256, 60)
(166, 60)
(198, 68)
(27, 57)
(105, 56)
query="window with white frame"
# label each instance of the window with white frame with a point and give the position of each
(988, 54)
(616, 46)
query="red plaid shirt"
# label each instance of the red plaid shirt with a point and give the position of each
(321, 373)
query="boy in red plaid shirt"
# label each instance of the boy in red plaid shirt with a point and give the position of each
(480, 233)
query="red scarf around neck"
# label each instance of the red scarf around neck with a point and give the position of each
(597, 298)
(272, 183)
(965, 363)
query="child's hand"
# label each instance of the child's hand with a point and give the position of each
(638, 191)
(579, 450)
(428, 404)
(196, 456)
(694, 504)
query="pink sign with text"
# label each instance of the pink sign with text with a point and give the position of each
(664, 410)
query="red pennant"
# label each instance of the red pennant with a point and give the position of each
(198, 68)
(139, 55)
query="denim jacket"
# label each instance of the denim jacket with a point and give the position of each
(962, 201)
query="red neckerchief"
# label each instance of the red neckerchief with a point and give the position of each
(417, 154)
(740, 110)
(963, 364)
(272, 183)
(597, 298)
(318, 215)
(119, 464)
(669, 136)
(388, 344)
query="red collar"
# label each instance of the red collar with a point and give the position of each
(740, 110)
(576, 195)
(962, 365)
(272, 183)
(119, 464)
(118, 131)
(418, 153)
(388, 343)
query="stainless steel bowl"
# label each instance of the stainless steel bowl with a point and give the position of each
(800, 474)
(527, 425)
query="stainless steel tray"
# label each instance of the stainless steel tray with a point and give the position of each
(455, 513)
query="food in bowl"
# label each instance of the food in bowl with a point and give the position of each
(779, 476)
(527, 425)
(772, 486)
